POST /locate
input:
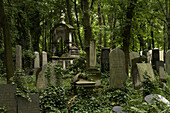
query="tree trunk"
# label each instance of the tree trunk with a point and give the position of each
(7, 43)
(127, 31)
(168, 21)
(87, 28)
(100, 23)
(78, 26)
(104, 23)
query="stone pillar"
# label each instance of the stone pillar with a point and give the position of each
(92, 56)
(44, 58)
(70, 39)
(36, 61)
(18, 57)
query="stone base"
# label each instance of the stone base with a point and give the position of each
(95, 75)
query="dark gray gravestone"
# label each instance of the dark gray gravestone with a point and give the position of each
(8, 97)
(134, 71)
(133, 55)
(159, 64)
(105, 59)
(24, 106)
(155, 57)
(162, 74)
(117, 68)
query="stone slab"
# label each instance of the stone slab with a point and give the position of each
(8, 97)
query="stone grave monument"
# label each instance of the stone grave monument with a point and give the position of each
(18, 58)
(143, 68)
(149, 56)
(133, 55)
(117, 68)
(36, 61)
(44, 58)
(155, 57)
(105, 59)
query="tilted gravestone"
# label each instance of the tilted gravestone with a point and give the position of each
(105, 59)
(143, 68)
(117, 68)
(41, 80)
(8, 97)
(18, 57)
(155, 57)
(134, 71)
(159, 64)
(167, 62)
(133, 55)
(25, 106)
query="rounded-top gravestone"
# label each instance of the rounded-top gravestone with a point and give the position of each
(117, 68)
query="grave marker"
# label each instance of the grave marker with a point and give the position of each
(105, 59)
(155, 57)
(133, 55)
(117, 68)
(167, 62)
(44, 58)
(18, 57)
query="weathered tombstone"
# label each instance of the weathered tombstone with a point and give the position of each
(155, 57)
(117, 68)
(142, 69)
(18, 57)
(149, 56)
(44, 58)
(92, 57)
(105, 59)
(134, 71)
(154, 98)
(158, 64)
(118, 109)
(162, 74)
(24, 106)
(41, 80)
(36, 60)
(133, 55)
(167, 62)
(8, 97)
(141, 53)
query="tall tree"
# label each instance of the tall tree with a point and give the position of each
(87, 28)
(127, 30)
(7, 43)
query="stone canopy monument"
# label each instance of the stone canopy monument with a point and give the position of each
(63, 51)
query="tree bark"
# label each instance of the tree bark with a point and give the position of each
(127, 31)
(78, 26)
(7, 43)
(87, 28)
(100, 23)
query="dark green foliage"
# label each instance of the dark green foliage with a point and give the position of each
(52, 99)
(3, 109)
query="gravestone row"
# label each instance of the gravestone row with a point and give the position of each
(16, 104)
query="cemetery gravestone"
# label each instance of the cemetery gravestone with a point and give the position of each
(18, 57)
(159, 64)
(105, 59)
(118, 109)
(161, 55)
(8, 97)
(92, 54)
(41, 80)
(44, 58)
(25, 106)
(155, 57)
(134, 71)
(149, 56)
(167, 62)
(117, 68)
(142, 69)
(133, 55)
(162, 74)
(36, 60)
